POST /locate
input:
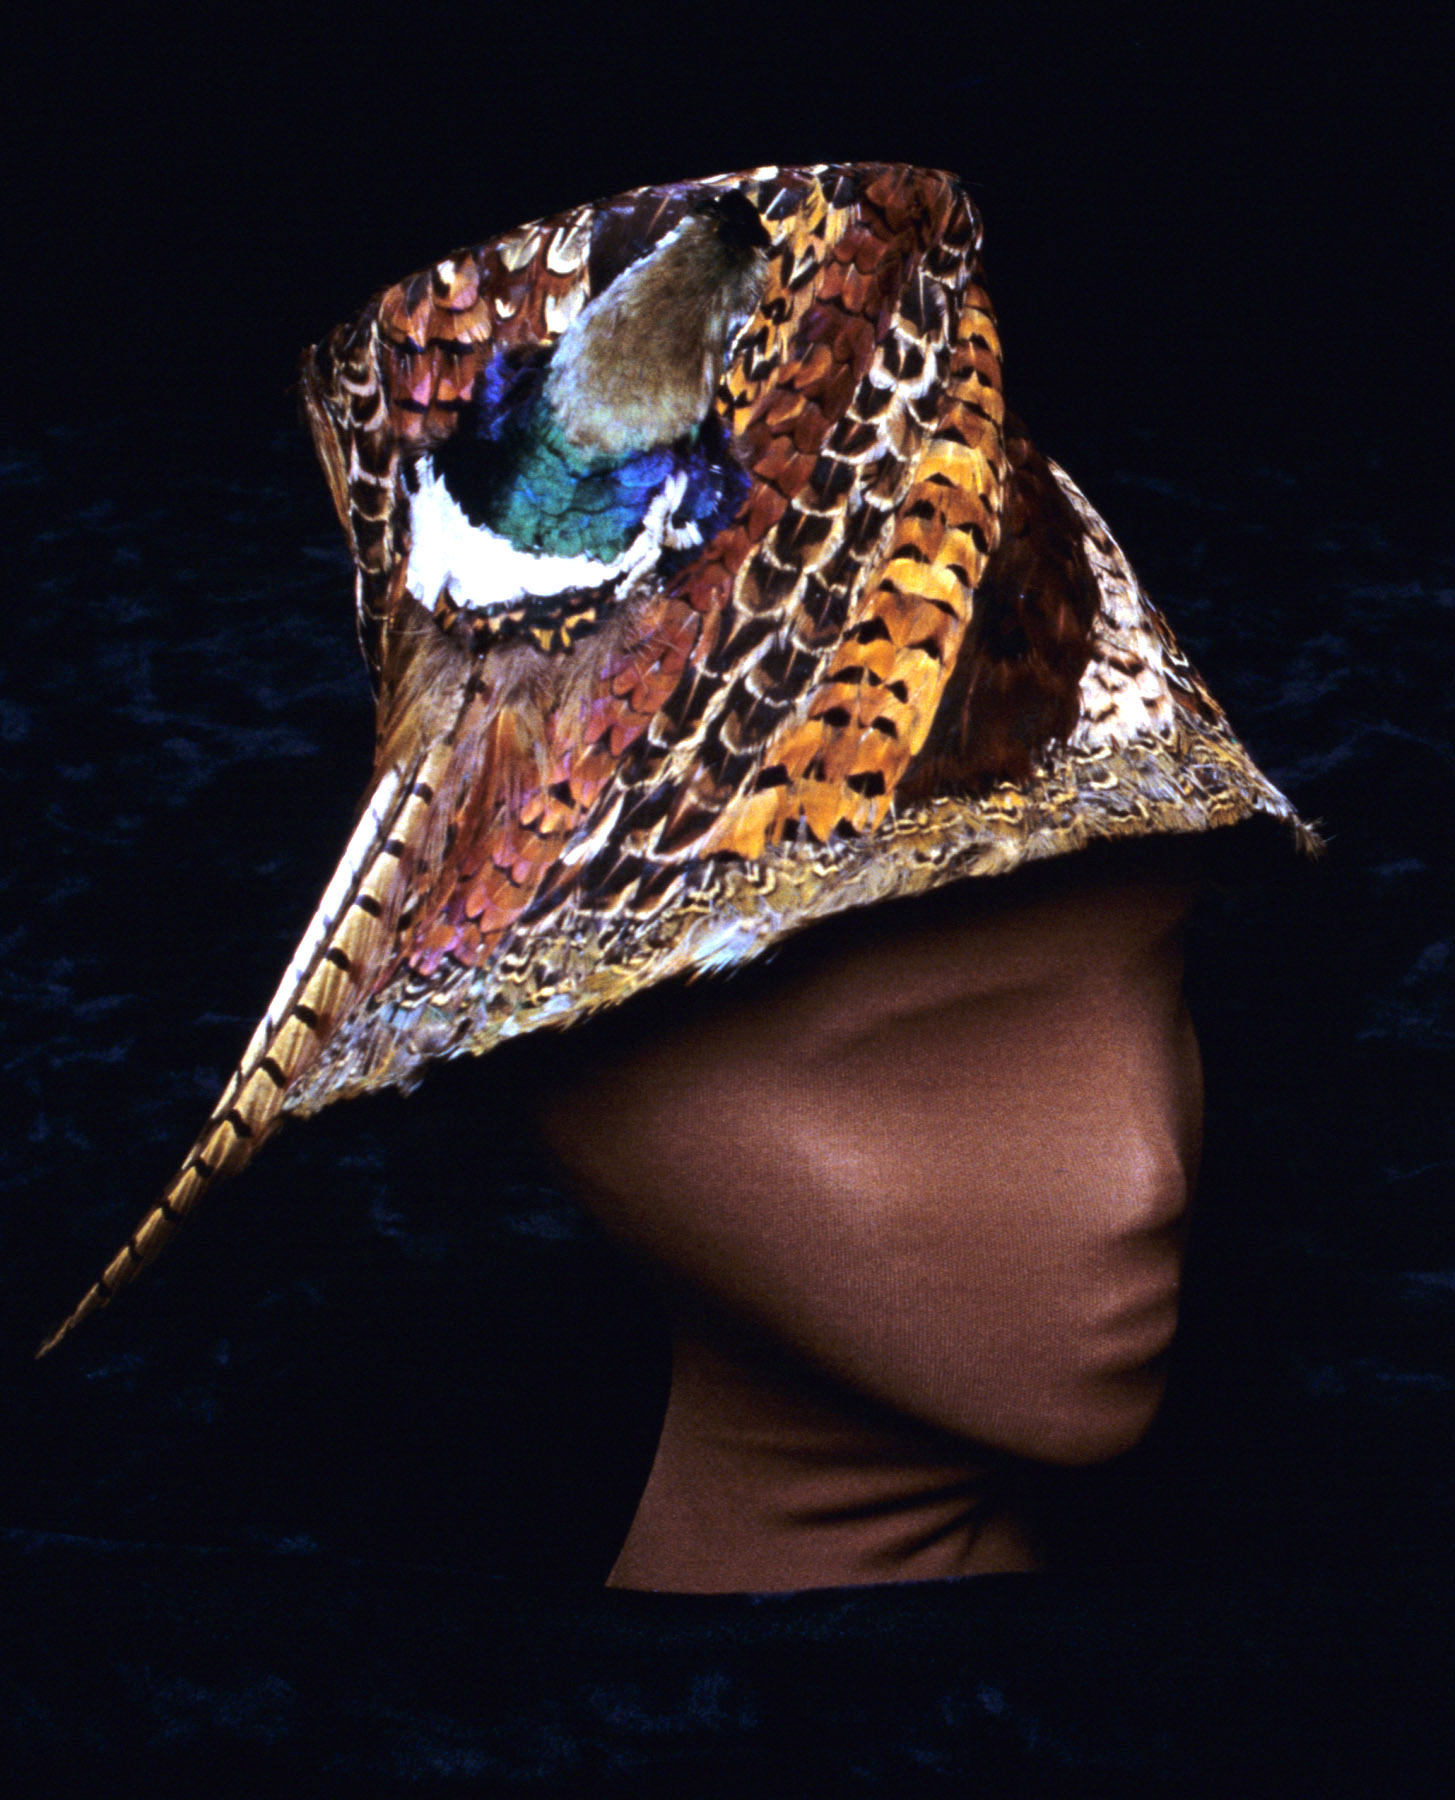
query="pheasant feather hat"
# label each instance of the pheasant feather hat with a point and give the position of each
(709, 589)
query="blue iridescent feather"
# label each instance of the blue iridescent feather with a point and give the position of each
(511, 470)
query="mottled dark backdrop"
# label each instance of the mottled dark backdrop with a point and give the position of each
(325, 1505)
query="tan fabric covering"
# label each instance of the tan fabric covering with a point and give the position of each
(915, 1193)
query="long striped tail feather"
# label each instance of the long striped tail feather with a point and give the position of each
(344, 945)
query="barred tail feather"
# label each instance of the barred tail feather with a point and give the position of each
(341, 950)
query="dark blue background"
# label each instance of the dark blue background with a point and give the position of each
(325, 1504)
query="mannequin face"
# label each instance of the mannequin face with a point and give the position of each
(945, 1157)
(913, 1193)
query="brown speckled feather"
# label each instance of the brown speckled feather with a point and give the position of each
(911, 654)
